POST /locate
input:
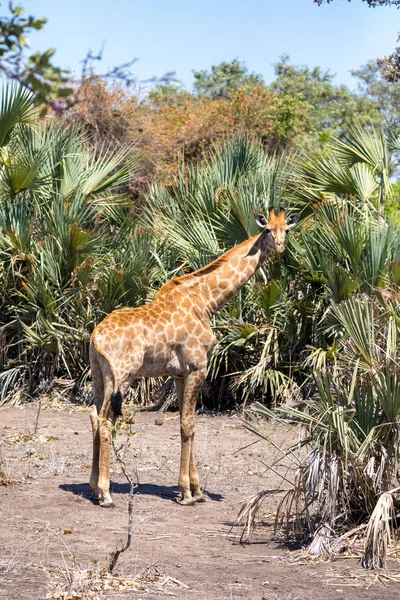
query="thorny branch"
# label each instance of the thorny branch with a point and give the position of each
(120, 454)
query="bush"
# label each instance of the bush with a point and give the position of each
(176, 126)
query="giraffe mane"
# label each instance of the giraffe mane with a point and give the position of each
(213, 266)
(205, 270)
(190, 277)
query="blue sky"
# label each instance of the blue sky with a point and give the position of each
(181, 35)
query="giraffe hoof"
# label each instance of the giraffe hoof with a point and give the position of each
(107, 505)
(186, 502)
(199, 498)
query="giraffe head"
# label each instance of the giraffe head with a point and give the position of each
(276, 226)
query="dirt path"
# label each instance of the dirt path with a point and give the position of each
(51, 531)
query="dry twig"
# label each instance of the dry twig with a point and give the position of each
(132, 485)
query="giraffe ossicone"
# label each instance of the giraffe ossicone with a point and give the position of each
(171, 336)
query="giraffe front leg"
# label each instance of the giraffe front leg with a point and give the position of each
(188, 477)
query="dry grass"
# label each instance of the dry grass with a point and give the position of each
(312, 506)
(380, 532)
(5, 480)
(250, 511)
(72, 582)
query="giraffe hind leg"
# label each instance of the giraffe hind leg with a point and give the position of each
(104, 474)
(107, 418)
(98, 397)
(105, 435)
(195, 488)
(94, 476)
(102, 417)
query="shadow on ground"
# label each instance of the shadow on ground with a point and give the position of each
(147, 489)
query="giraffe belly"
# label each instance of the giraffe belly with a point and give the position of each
(156, 365)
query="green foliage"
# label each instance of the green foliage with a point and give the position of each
(332, 107)
(71, 252)
(351, 423)
(34, 72)
(62, 263)
(225, 78)
(317, 328)
(373, 85)
(167, 93)
(346, 264)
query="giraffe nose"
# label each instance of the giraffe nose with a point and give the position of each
(280, 246)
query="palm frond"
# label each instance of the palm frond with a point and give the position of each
(16, 108)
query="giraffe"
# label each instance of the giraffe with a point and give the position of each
(171, 336)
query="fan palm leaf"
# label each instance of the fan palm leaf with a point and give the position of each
(16, 108)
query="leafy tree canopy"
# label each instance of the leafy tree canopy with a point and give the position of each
(225, 78)
(376, 87)
(170, 92)
(332, 107)
(33, 71)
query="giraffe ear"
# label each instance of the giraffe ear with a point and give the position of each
(292, 220)
(260, 219)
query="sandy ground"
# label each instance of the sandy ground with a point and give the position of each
(51, 532)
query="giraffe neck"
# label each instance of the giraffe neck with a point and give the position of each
(216, 283)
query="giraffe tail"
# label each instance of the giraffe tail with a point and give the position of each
(116, 403)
